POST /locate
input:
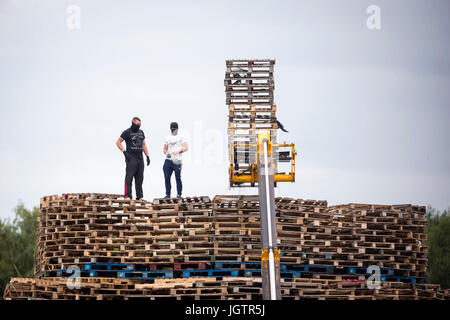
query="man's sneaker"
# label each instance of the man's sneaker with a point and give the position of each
(141, 199)
(179, 196)
(166, 197)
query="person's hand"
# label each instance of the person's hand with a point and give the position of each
(168, 155)
(148, 160)
(175, 152)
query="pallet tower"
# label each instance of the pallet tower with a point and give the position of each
(249, 87)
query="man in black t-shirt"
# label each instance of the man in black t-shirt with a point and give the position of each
(135, 141)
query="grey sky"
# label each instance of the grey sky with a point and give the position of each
(367, 109)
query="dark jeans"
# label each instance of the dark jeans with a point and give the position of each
(134, 169)
(168, 168)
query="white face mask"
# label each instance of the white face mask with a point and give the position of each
(175, 132)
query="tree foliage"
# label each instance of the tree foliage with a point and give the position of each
(438, 231)
(18, 245)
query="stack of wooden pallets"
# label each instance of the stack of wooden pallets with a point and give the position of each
(213, 288)
(354, 236)
(78, 230)
(249, 86)
(166, 235)
(325, 249)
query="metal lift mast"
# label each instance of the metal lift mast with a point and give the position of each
(270, 257)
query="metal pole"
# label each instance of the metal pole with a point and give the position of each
(273, 294)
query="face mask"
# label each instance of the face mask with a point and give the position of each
(174, 131)
(135, 127)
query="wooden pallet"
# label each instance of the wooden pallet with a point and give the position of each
(214, 288)
(252, 108)
(78, 231)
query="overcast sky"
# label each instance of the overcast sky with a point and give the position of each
(368, 110)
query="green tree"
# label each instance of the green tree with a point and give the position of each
(438, 231)
(18, 245)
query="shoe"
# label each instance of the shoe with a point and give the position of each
(141, 199)
(179, 196)
(166, 197)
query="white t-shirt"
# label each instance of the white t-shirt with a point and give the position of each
(175, 143)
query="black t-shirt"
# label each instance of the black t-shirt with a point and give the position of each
(134, 142)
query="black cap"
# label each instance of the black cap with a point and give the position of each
(173, 125)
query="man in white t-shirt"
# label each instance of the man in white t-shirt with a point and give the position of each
(174, 146)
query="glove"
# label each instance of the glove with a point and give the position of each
(148, 160)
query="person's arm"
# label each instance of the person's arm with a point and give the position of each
(119, 144)
(166, 149)
(144, 146)
(184, 148)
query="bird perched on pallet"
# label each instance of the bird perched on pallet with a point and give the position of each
(237, 75)
(280, 126)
